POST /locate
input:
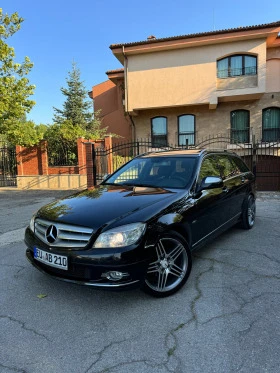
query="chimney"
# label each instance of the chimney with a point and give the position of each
(151, 37)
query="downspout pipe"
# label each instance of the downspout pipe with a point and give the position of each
(125, 92)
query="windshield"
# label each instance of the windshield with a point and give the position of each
(156, 171)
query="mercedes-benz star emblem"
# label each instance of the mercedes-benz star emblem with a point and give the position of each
(51, 234)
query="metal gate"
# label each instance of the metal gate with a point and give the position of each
(268, 166)
(108, 160)
(262, 158)
(8, 165)
(220, 142)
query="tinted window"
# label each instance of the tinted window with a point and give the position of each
(242, 167)
(209, 167)
(226, 167)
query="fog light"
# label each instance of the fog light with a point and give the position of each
(114, 275)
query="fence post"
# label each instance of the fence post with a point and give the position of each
(254, 165)
(108, 152)
(19, 160)
(90, 160)
(43, 158)
(81, 156)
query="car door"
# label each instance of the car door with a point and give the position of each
(243, 178)
(210, 205)
(232, 184)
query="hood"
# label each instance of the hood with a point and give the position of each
(104, 205)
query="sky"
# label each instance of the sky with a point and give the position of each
(56, 33)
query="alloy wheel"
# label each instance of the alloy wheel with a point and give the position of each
(251, 211)
(169, 267)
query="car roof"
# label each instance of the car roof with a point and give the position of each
(183, 152)
(173, 152)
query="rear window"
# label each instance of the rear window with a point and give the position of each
(240, 164)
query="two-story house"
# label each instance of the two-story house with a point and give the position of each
(182, 89)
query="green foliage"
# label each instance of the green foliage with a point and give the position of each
(61, 139)
(25, 133)
(94, 129)
(15, 89)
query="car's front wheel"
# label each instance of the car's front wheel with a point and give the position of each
(169, 267)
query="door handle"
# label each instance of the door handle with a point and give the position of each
(243, 179)
(225, 189)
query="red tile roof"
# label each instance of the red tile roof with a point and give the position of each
(189, 36)
(121, 70)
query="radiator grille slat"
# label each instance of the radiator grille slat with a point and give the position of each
(68, 236)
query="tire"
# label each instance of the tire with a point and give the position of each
(170, 266)
(249, 213)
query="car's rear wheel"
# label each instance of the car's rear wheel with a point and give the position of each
(169, 267)
(249, 213)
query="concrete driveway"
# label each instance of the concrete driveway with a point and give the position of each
(225, 319)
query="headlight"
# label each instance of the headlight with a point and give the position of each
(32, 224)
(124, 235)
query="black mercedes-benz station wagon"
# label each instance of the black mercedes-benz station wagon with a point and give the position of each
(139, 226)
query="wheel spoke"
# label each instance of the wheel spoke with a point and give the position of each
(162, 278)
(153, 267)
(175, 266)
(176, 271)
(160, 250)
(176, 252)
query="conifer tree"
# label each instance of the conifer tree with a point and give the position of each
(76, 107)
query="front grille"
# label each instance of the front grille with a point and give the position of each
(67, 235)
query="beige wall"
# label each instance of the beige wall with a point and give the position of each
(208, 122)
(273, 70)
(187, 76)
(52, 182)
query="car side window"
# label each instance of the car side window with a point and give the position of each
(227, 167)
(240, 164)
(209, 167)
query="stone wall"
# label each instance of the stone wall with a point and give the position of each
(208, 122)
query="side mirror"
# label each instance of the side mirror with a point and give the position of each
(210, 182)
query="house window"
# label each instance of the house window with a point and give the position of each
(236, 65)
(271, 124)
(240, 126)
(186, 130)
(159, 131)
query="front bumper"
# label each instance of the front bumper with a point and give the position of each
(87, 267)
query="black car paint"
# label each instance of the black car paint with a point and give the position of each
(197, 215)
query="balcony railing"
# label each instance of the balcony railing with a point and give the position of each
(231, 72)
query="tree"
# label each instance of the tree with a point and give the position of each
(15, 89)
(75, 119)
(76, 107)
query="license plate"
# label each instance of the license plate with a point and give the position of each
(51, 259)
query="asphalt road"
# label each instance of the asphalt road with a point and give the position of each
(225, 319)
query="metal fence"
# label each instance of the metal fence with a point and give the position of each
(59, 156)
(8, 165)
(262, 158)
(108, 160)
